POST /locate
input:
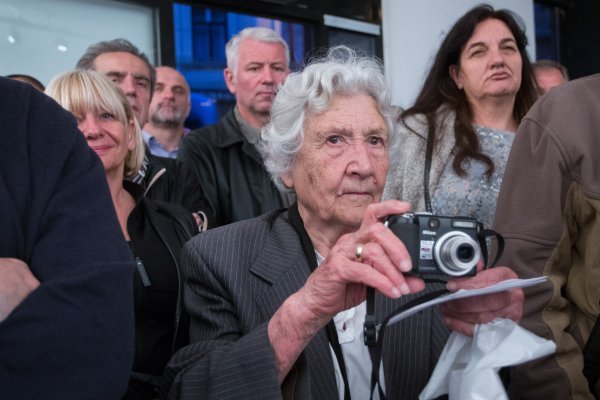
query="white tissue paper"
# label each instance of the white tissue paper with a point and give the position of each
(468, 367)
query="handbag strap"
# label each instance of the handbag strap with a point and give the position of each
(427, 172)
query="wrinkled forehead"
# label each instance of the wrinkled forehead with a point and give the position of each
(121, 63)
(254, 51)
(171, 77)
(351, 115)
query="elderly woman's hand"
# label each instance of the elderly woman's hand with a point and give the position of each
(461, 315)
(371, 256)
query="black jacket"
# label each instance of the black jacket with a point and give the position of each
(230, 172)
(72, 337)
(157, 230)
(177, 184)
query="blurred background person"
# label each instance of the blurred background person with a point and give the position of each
(224, 156)
(170, 106)
(456, 138)
(549, 74)
(155, 230)
(66, 310)
(163, 178)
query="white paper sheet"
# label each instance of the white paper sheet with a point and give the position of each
(463, 293)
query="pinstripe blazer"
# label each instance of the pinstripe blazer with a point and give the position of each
(237, 276)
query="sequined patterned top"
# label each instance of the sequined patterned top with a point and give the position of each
(474, 195)
(471, 196)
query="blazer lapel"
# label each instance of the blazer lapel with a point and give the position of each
(284, 267)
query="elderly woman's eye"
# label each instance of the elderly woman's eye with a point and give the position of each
(375, 140)
(334, 139)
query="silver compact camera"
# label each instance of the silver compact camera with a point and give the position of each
(439, 247)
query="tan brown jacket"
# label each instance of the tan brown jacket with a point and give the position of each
(549, 213)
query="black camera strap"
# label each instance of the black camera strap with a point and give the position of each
(309, 252)
(376, 344)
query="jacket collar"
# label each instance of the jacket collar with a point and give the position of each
(282, 264)
(231, 134)
(134, 189)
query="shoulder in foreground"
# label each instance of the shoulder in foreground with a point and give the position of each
(247, 230)
(581, 88)
(576, 99)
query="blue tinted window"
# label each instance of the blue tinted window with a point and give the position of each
(200, 37)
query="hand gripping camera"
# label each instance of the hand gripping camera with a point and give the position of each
(439, 247)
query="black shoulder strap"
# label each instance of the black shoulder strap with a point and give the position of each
(309, 252)
(427, 171)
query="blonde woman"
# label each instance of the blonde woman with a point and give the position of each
(155, 230)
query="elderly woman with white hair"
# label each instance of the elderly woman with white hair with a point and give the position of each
(278, 302)
(155, 230)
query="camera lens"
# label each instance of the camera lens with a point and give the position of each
(464, 253)
(456, 253)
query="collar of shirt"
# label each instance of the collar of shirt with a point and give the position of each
(157, 148)
(251, 133)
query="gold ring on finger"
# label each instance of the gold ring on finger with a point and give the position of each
(358, 252)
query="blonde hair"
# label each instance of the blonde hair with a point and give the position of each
(81, 91)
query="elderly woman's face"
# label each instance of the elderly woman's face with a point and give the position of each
(490, 63)
(108, 137)
(342, 165)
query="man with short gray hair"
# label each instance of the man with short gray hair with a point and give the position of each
(225, 156)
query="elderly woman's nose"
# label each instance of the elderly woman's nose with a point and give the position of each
(360, 159)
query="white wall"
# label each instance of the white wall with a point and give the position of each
(413, 31)
(38, 27)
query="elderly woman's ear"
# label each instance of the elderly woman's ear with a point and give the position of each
(287, 180)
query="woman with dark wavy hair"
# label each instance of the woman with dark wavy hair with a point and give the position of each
(456, 138)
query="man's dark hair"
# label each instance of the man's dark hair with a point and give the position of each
(112, 46)
(29, 79)
(550, 64)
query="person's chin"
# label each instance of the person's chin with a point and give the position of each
(264, 104)
(503, 92)
(352, 216)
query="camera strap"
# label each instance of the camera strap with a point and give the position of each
(376, 343)
(311, 257)
(374, 333)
